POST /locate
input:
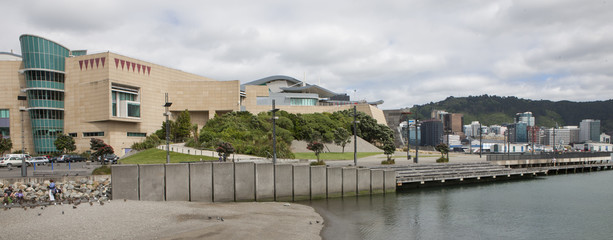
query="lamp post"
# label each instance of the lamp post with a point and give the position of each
(24, 166)
(407, 114)
(480, 140)
(355, 137)
(417, 137)
(274, 133)
(167, 104)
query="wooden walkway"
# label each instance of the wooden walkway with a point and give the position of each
(421, 175)
(457, 173)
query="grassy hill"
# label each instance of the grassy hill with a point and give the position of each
(498, 110)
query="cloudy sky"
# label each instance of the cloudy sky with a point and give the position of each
(403, 52)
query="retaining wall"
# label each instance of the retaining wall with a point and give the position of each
(228, 182)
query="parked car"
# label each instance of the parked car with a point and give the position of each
(69, 158)
(38, 160)
(110, 158)
(11, 161)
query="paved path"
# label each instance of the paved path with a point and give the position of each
(371, 161)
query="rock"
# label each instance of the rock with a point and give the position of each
(90, 182)
(83, 180)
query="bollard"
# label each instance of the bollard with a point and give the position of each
(34, 166)
(51, 166)
(68, 165)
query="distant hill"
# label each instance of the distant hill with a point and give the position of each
(498, 110)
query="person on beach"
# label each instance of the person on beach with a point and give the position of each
(19, 196)
(52, 191)
(8, 195)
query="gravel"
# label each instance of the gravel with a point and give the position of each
(120, 219)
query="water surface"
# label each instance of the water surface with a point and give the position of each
(574, 206)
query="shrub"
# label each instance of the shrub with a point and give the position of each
(318, 163)
(388, 162)
(442, 160)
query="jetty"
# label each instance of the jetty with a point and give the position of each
(428, 175)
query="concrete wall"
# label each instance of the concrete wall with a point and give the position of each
(223, 182)
(264, 182)
(201, 182)
(177, 182)
(302, 182)
(151, 182)
(284, 185)
(334, 178)
(245, 181)
(349, 182)
(318, 182)
(124, 182)
(244, 184)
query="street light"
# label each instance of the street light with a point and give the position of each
(24, 167)
(274, 133)
(408, 135)
(417, 124)
(167, 104)
(355, 137)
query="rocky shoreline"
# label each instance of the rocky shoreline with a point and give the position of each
(36, 193)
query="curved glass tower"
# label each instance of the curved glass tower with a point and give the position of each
(44, 74)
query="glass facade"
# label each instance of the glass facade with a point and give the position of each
(5, 123)
(44, 64)
(303, 102)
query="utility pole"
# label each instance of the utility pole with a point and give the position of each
(417, 136)
(480, 140)
(355, 136)
(274, 133)
(167, 104)
(24, 166)
(408, 114)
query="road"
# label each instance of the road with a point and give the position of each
(83, 168)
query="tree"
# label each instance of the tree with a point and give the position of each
(224, 149)
(316, 147)
(443, 149)
(100, 148)
(181, 129)
(389, 149)
(5, 145)
(342, 137)
(65, 143)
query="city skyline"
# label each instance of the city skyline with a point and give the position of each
(402, 52)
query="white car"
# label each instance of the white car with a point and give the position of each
(38, 160)
(11, 161)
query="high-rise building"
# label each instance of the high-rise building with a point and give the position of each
(526, 118)
(589, 130)
(431, 132)
(518, 132)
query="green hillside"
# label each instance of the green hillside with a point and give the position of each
(498, 110)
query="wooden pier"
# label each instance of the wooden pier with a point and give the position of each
(427, 175)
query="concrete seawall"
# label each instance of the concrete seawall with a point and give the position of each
(237, 182)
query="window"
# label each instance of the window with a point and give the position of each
(4, 113)
(136, 134)
(93, 134)
(74, 135)
(303, 102)
(125, 101)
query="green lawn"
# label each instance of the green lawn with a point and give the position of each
(152, 156)
(333, 155)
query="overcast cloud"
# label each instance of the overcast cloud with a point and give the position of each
(403, 52)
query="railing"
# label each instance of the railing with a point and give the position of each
(528, 156)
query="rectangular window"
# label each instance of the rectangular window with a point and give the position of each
(303, 102)
(125, 101)
(93, 134)
(74, 135)
(136, 134)
(4, 113)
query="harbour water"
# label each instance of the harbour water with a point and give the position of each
(568, 206)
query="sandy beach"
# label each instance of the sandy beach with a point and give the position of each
(163, 220)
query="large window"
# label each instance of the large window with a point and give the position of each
(4, 123)
(125, 101)
(93, 134)
(303, 102)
